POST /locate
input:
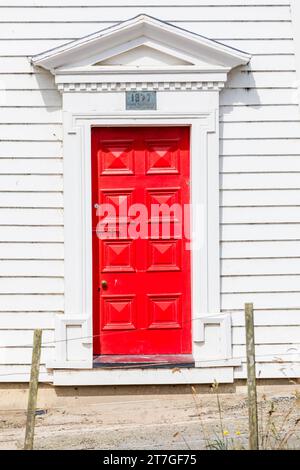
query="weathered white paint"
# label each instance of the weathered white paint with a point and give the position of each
(259, 164)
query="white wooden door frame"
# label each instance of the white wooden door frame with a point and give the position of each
(78, 240)
(188, 95)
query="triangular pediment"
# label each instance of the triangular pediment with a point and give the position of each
(143, 56)
(141, 42)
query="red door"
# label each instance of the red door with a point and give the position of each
(141, 258)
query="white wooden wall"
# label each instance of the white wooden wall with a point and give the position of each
(259, 168)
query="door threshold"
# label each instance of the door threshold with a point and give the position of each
(142, 361)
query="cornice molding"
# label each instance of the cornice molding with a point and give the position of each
(137, 31)
(133, 86)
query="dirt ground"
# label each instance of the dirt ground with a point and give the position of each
(188, 419)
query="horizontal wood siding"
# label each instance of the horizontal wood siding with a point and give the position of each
(259, 169)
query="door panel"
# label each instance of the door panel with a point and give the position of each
(146, 306)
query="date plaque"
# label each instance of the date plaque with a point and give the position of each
(141, 100)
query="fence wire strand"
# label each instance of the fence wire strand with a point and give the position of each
(276, 357)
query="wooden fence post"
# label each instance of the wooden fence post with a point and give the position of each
(251, 378)
(33, 389)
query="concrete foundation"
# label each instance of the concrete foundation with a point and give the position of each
(14, 396)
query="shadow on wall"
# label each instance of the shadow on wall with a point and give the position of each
(50, 95)
(239, 95)
(240, 104)
(240, 91)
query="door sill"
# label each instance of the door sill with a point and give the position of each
(144, 361)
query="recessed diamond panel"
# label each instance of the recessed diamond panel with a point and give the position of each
(116, 158)
(164, 255)
(163, 204)
(118, 256)
(162, 157)
(119, 313)
(164, 311)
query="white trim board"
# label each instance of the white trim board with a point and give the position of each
(143, 376)
(78, 249)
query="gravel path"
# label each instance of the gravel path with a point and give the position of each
(185, 421)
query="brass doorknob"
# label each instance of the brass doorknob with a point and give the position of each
(104, 284)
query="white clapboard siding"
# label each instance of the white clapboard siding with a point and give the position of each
(25, 320)
(31, 234)
(260, 164)
(260, 180)
(259, 147)
(31, 285)
(269, 113)
(257, 96)
(244, 267)
(21, 373)
(265, 249)
(45, 98)
(269, 335)
(261, 80)
(214, 29)
(16, 65)
(243, 232)
(273, 63)
(30, 115)
(27, 47)
(259, 130)
(24, 338)
(44, 132)
(31, 166)
(31, 199)
(240, 284)
(40, 81)
(31, 216)
(31, 251)
(31, 303)
(256, 197)
(263, 351)
(179, 13)
(261, 300)
(259, 215)
(262, 47)
(286, 317)
(273, 370)
(275, 353)
(29, 268)
(31, 182)
(32, 149)
(12, 355)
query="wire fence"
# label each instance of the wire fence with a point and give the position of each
(277, 358)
